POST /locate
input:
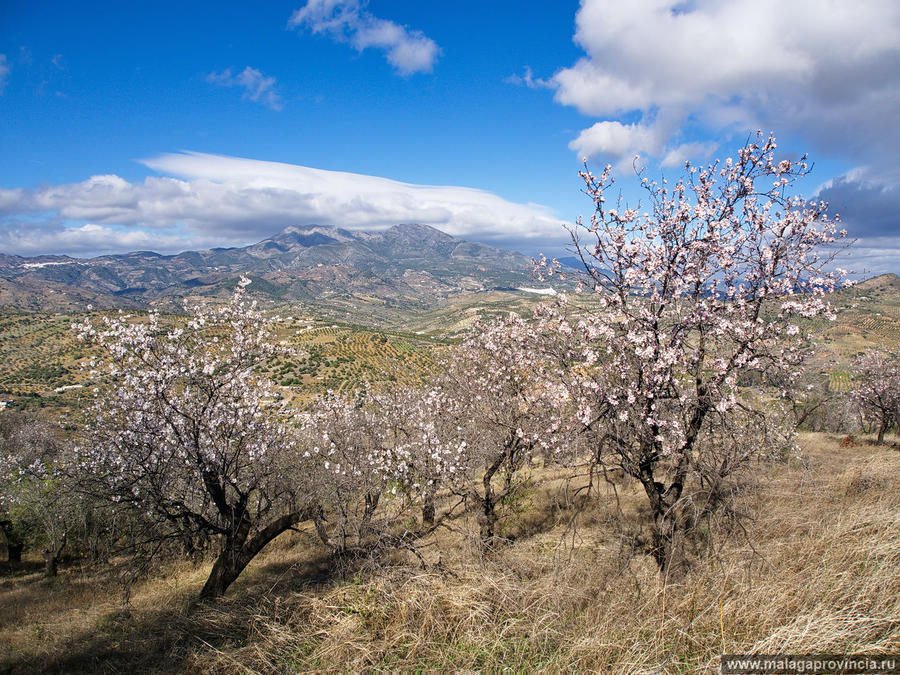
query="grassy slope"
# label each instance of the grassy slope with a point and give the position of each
(823, 578)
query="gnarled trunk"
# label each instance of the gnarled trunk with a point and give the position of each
(663, 501)
(428, 508)
(487, 514)
(371, 505)
(239, 549)
(14, 545)
(51, 558)
(882, 428)
(226, 569)
(487, 521)
(14, 551)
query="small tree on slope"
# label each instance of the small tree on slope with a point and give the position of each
(876, 391)
(190, 435)
(37, 495)
(507, 408)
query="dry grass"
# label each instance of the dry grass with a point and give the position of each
(823, 577)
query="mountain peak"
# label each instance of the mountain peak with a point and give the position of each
(419, 228)
(330, 231)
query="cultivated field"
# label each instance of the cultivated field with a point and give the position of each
(43, 363)
(39, 353)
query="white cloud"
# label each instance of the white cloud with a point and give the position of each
(871, 256)
(693, 152)
(617, 140)
(409, 51)
(4, 71)
(527, 79)
(257, 87)
(86, 240)
(827, 70)
(206, 200)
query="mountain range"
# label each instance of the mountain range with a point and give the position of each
(406, 265)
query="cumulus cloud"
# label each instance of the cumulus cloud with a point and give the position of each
(256, 86)
(408, 51)
(663, 76)
(4, 71)
(620, 141)
(205, 200)
(685, 152)
(828, 70)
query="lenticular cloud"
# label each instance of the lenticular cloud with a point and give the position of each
(293, 193)
(203, 200)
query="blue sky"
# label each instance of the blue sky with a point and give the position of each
(169, 126)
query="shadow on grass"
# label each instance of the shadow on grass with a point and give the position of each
(171, 638)
(19, 569)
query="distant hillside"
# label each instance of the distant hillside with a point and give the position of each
(884, 284)
(406, 265)
(867, 317)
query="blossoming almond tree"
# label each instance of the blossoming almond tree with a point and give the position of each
(343, 439)
(190, 435)
(464, 436)
(37, 494)
(506, 408)
(380, 460)
(709, 281)
(876, 391)
(423, 446)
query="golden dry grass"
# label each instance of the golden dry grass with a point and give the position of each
(824, 577)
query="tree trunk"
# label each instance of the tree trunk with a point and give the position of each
(663, 540)
(371, 505)
(882, 428)
(487, 521)
(50, 564)
(428, 510)
(238, 551)
(51, 558)
(14, 551)
(663, 525)
(665, 519)
(14, 545)
(487, 517)
(225, 570)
